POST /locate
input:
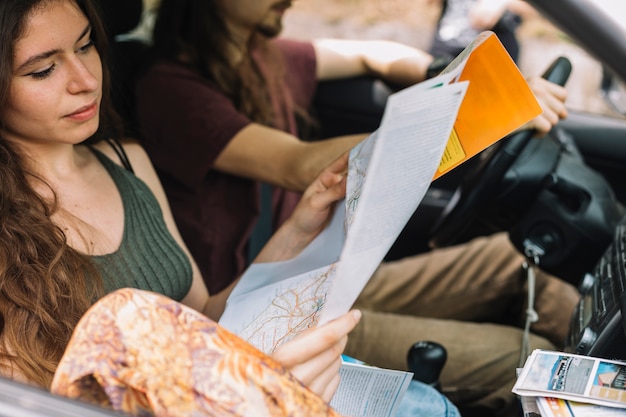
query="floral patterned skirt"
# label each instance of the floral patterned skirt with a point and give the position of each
(146, 355)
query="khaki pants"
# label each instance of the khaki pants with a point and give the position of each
(470, 298)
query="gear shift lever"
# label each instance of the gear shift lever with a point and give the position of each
(426, 359)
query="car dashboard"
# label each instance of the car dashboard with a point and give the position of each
(598, 326)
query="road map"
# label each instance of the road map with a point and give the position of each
(388, 175)
(426, 130)
(293, 307)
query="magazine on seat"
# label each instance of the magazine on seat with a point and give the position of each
(573, 377)
(557, 407)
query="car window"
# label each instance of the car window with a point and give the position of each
(614, 88)
(413, 22)
(591, 87)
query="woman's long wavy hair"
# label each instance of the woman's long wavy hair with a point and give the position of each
(45, 286)
(195, 30)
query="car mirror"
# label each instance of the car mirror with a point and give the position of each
(614, 91)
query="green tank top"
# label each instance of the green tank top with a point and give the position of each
(148, 258)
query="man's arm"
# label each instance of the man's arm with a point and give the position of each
(273, 156)
(266, 154)
(391, 61)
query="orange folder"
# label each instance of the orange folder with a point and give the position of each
(498, 100)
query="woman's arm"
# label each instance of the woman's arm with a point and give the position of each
(308, 219)
(311, 214)
(314, 356)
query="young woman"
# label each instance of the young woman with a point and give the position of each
(75, 224)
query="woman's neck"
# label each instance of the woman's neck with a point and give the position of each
(56, 163)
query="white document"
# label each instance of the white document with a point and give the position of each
(389, 174)
(388, 179)
(366, 391)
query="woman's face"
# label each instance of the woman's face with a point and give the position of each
(56, 85)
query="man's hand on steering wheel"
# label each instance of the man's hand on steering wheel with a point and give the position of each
(484, 182)
(551, 98)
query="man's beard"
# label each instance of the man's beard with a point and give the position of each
(270, 30)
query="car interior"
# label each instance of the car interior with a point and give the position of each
(562, 200)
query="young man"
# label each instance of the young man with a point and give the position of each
(220, 111)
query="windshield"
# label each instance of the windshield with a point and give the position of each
(415, 22)
(615, 9)
(611, 88)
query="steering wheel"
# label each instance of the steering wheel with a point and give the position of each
(483, 182)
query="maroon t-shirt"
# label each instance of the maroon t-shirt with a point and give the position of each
(185, 123)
